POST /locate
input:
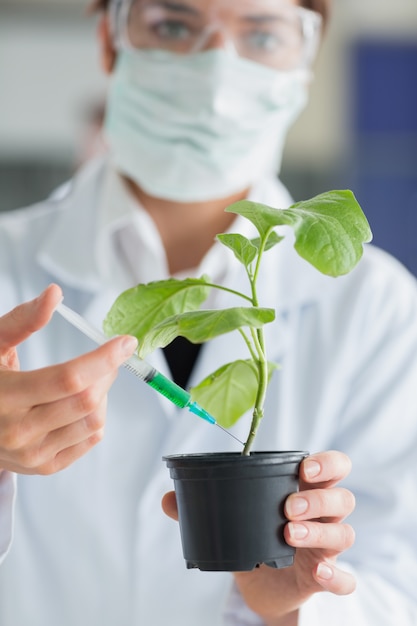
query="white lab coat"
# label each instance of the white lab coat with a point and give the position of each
(91, 546)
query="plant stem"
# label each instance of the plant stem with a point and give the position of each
(262, 363)
(233, 291)
(249, 345)
(258, 411)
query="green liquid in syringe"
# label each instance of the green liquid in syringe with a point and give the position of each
(170, 390)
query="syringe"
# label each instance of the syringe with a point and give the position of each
(143, 370)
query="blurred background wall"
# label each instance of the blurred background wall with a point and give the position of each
(359, 131)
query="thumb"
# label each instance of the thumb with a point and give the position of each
(169, 505)
(25, 319)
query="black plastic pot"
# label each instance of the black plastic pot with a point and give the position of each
(230, 508)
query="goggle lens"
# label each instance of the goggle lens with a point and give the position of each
(271, 32)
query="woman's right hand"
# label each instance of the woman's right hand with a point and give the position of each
(52, 416)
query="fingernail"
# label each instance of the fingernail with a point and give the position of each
(324, 571)
(296, 506)
(129, 345)
(297, 531)
(59, 302)
(311, 468)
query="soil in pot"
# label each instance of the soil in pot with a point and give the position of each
(231, 506)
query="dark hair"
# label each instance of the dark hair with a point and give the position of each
(321, 6)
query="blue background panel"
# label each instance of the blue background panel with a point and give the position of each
(384, 129)
(386, 87)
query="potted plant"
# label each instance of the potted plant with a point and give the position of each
(228, 503)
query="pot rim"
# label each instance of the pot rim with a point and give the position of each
(254, 458)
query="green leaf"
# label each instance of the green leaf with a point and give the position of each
(263, 217)
(272, 241)
(330, 229)
(201, 326)
(230, 391)
(137, 310)
(243, 248)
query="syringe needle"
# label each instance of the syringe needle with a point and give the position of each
(198, 410)
(229, 433)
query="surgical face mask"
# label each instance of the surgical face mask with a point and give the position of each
(201, 126)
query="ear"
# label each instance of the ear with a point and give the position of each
(107, 50)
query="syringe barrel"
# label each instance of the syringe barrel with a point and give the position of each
(170, 390)
(141, 368)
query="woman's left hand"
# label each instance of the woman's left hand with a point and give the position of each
(316, 529)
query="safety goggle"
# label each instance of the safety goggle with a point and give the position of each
(274, 33)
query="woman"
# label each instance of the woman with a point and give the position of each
(201, 94)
